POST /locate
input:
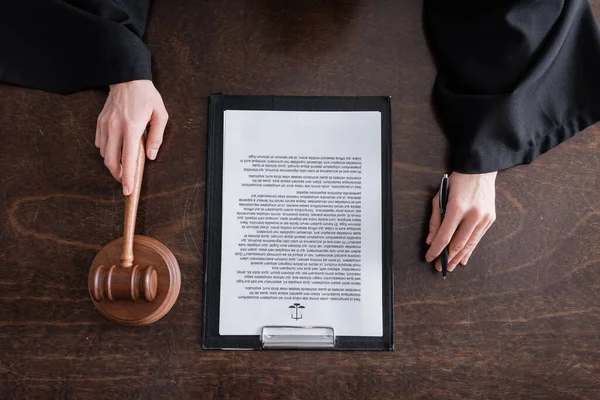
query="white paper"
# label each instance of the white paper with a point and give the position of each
(293, 194)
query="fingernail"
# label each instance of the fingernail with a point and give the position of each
(126, 190)
(429, 258)
(428, 240)
(438, 267)
(466, 260)
(153, 154)
(451, 267)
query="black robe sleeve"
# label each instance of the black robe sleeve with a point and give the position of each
(515, 78)
(66, 46)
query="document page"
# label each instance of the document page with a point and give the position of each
(302, 221)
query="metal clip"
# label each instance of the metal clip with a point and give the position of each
(297, 337)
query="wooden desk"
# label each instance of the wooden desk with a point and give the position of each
(521, 321)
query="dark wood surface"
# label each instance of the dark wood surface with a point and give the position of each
(522, 320)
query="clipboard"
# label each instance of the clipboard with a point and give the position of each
(289, 336)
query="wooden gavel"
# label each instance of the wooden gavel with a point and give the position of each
(145, 285)
(127, 282)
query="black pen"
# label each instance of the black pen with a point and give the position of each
(444, 189)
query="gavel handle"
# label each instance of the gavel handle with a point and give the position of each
(131, 207)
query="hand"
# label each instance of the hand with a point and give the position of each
(129, 108)
(470, 212)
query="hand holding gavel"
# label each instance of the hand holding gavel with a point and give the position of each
(127, 282)
(151, 274)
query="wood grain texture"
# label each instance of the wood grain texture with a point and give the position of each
(522, 320)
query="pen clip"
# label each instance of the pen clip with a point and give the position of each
(442, 193)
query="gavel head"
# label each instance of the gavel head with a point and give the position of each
(121, 283)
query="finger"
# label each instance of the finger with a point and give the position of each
(103, 136)
(436, 219)
(480, 234)
(463, 256)
(131, 148)
(473, 242)
(461, 237)
(446, 231)
(465, 259)
(97, 139)
(112, 153)
(158, 122)
(460, 257)
(100, 125)
(438, 265)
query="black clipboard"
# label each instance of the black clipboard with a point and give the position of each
(289, 337)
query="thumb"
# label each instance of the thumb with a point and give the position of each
(435, 221)
(158, 122)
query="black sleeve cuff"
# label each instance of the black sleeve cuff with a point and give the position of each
(60, 47)
(514, 81)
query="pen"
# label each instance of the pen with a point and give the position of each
(444, 189)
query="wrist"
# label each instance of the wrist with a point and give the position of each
(486, 175)
(140, 82)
